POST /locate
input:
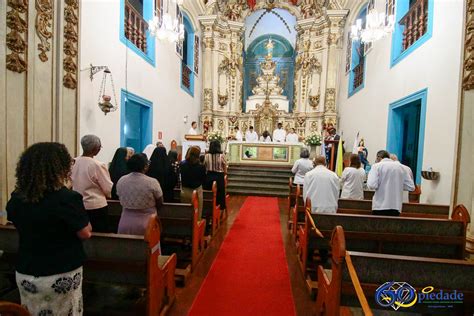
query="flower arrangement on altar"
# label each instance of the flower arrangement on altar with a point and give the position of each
(313, 139)
(215, 136)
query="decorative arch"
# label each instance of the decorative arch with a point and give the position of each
(283, 55)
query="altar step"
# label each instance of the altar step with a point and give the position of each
(258, 180)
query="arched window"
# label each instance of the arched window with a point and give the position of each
(187, 63)
(357, 65)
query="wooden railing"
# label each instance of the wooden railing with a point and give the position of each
(415, 23)
(186, 74)
(135, 27)
(359, 74)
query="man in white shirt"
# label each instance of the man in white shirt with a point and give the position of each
(279, 134)
(388, 178)
(321, 185)
(292, 137)
(193, 129)
(238, 134)
(407, 169)
(251, 136)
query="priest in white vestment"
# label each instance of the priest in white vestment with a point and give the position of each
(238, 134)
(321, 185)
(251, 136)
(292, 137)
(193, 129)
(279, 135)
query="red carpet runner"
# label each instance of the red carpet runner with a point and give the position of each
(249, 275)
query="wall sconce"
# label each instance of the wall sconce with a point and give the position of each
(185, 119)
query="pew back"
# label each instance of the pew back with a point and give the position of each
(428, 237)
(363, 207)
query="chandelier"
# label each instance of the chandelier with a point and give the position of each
(164, 25)
(377, 25)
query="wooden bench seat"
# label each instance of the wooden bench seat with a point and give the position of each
(359, 274)
(183, 233)
(291, 202)
(115, 262)
(427, 237)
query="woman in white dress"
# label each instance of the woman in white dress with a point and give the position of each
(352, 180)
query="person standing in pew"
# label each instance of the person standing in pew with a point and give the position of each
(118, 168)
(91, 179)
(321, 185)
(301, 167)
(407, 169)
(216, 167)
(160, 169)
(352, 180)
(389, 179)
(193, 176)
(51, 222)
(140, 196)
(173, 156)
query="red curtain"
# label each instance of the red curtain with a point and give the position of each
(251, 4)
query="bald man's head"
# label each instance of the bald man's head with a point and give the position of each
(319, 161)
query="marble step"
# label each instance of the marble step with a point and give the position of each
(239, 178)
(260, 169)
(256, 185)
(257, 192)
(259, 174)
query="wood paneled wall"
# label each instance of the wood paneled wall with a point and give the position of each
(38, 79)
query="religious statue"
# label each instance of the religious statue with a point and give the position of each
(307, 8)
(234, 12)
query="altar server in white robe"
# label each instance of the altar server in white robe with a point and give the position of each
(279, 134)
(238, 134)
(352, 180)
(193, 129)
(265, 137)
(389, 179)
(251, 135)
(292, 137)
(321, 185)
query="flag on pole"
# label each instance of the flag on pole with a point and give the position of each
(355, 149)
(340, 156)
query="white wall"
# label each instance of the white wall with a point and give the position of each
(101, 45)
(270, 23)
(434, 65)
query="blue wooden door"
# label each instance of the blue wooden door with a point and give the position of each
(136, 129)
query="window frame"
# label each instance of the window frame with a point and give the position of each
(397, 52)
(148, 11)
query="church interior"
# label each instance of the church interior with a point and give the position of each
(240, 94)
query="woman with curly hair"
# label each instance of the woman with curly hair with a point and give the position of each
(52, 222)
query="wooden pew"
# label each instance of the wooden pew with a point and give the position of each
(364, 207)
(413, 197)
(427, 237)
(210, 211)
(298, 212)
(360, 274)
(181, 230)
(291, 202)
(115, 211)
(114, 259)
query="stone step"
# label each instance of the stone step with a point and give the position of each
(258, 186)
(239, 178)
(257, 192)
(259, 174)
(259, 168)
